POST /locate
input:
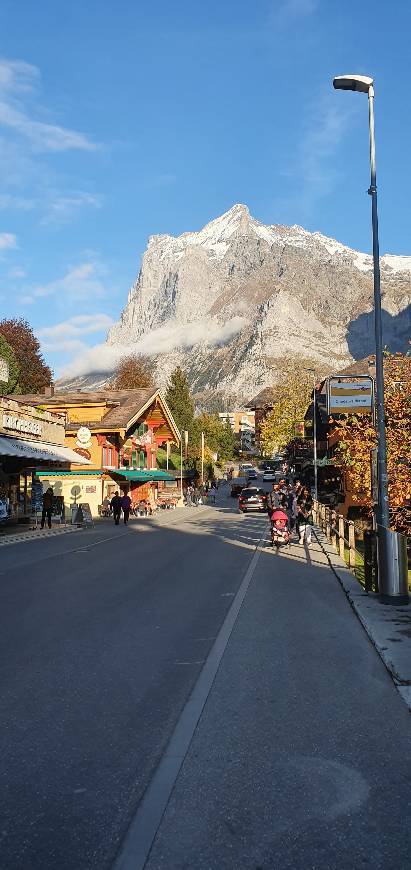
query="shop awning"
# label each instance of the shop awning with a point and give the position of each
(40, 450)
(142, 475)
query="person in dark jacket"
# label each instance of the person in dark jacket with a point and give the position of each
(47, 507)
(115, 505)
(126, 505)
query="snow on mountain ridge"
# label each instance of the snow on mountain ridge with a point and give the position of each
(216, 235)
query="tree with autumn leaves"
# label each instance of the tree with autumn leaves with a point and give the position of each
(34, 373)
(356, 436)
(290, 397)
(133, 372)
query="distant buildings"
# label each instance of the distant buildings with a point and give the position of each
(243, 425)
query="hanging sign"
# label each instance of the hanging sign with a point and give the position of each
(348, 396)
(83, 437)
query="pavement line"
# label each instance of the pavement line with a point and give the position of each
(144, 826)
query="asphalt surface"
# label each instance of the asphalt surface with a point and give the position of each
(102, 636)
(301, 755)
(301, 760)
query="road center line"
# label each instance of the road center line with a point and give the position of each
(143, 828)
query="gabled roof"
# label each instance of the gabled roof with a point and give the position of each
(263, 399)
(124, 405)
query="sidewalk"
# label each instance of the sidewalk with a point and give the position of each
(299, 758)
(388, 627)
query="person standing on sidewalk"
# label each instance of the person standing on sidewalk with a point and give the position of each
(47, 507)
(126, 505)
(115, 505)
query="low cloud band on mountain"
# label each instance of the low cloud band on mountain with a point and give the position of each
(230, 301)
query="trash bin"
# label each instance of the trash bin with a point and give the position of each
(392, 567)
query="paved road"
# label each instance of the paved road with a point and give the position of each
(301, 758)
(102, 637)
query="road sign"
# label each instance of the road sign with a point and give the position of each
(353, 395)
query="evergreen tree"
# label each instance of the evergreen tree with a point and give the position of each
(35, 374)
(12, 385)
(180, 402)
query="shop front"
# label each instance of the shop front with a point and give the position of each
(31, 438)
(115, 431)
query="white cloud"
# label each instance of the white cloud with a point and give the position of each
(314, 166)
(82, 282)
(103, 358)
(17, 272)
(9, 201)
(285, 12)
(62, 207)
(8, 241)
(80, 324)
(18, 81)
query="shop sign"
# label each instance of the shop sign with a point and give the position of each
(19, 424)
(346, 396)
(85, 453)
(83, 437)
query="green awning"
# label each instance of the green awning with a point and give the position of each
(142, 475)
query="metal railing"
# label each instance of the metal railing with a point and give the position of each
(359, 551)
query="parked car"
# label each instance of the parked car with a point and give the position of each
(252, 499)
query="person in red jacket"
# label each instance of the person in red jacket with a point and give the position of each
(126, 505)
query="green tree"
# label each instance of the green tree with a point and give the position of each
(219, 437)
(35, 374)
(12, 385)
(180, 402)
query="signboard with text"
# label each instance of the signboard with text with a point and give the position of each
(350, 396)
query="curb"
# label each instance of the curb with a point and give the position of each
(388, 627)
(35, 535)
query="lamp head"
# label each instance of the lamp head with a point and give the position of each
(353, 83)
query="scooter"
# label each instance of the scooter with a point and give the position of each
(280, 534)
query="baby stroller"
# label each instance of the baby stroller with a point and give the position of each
(280, 534)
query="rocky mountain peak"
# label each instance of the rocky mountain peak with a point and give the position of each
(229, 301)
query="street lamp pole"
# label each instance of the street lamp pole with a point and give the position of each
(392, 571)
(365, 85)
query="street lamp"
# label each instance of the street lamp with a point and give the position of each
(388, 563)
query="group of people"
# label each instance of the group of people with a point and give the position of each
(196, 495)
(120, 503)
(296, 502)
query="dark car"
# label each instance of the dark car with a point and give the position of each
(252, 474)
(252, 499)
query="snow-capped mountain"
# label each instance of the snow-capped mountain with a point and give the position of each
(228, 302)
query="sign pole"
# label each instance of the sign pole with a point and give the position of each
(202, 457)
(315, 443)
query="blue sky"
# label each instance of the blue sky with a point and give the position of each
(123, 119)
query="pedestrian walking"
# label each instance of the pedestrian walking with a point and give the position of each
(275, 499)
(291, 506)
(126, 505)
(115, 505)
(304, 517)
(47, 507)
